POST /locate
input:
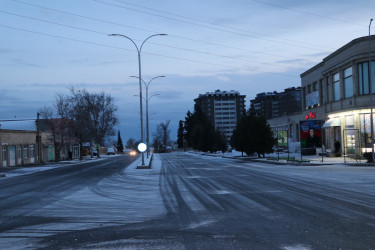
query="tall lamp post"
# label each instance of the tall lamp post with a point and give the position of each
(147, 99)
(139, 50)
(370, 85)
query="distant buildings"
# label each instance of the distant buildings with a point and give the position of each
(223, 108)
(274, 104)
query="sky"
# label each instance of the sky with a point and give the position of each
(251, 46)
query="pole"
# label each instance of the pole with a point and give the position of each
(370, 85)
(140, 102)
(140, 81)
(39, 148)
(147, 100)
(147, 139)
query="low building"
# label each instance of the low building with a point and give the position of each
(17, 147)
(23, 144)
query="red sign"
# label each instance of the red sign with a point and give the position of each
(310, 115)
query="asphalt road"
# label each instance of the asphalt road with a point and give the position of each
(190, 202)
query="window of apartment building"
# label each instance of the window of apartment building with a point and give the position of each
(348, 82)
(363, 76)
(336, 87)
(25, 152)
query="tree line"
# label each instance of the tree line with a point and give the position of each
(88, 117)
(199, 133)
(251, 135)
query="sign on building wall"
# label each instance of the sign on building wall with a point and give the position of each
(282, 138)
(311, 133)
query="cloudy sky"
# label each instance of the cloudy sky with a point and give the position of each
(251, 46)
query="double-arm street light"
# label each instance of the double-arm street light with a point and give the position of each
(139, 50)
(146, 100)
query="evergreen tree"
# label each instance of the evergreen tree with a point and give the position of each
(253, 135)
(180, 134)
(201, 134)
(120, 145)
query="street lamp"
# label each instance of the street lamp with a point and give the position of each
(370, 85)
(139, 49)
(147, 99)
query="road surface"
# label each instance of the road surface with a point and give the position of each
(188, 201)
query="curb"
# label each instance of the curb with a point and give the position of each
(146, 166)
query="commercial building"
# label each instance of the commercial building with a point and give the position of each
(223, 108)
(338, 91)
(336, 102)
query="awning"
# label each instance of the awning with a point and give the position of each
(333, 122)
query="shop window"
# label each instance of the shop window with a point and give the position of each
(348, 82)
(365, 129)
(363, 78)
(336, 87)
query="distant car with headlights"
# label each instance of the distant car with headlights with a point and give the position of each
(133, 153)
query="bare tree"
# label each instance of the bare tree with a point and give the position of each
(94, 115)
(91, 116)
(57, 122)
(162, 134)
(102, 116)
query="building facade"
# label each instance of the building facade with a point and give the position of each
(336, 102)
(337, 90)
(275, 104)
(223, 108)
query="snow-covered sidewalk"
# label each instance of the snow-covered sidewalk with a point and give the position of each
(294, 158)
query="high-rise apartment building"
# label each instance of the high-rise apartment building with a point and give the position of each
(223, 108)
(275, 104)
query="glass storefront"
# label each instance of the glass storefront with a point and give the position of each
(365, 130)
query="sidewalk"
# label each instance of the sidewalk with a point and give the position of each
(281, 158)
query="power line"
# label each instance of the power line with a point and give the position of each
(308, 13)
(214, 24)
(208, 27)
(154, 54)
(168, 46)
(152, 31)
